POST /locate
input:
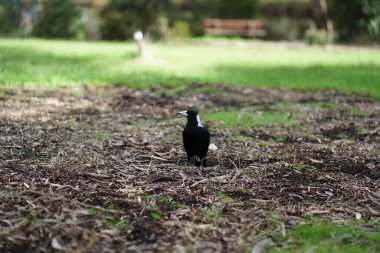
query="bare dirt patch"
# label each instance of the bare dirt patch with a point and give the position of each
(105, 171)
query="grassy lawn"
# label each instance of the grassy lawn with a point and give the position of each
(326, 237)
(59, 63)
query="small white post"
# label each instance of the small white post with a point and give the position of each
(138, 36)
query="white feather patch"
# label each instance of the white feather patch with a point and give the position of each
(212, 147)
(199, 121)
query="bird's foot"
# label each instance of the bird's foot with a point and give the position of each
(199, 170)
(184, 178)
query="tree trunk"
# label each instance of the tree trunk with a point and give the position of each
(319, 10)
(26, 22)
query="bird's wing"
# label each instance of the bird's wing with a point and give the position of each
(187, 141)
(204, 141)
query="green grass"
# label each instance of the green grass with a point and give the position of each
(50, 64)
(329, 106)
(212, 216)
(154, 211)
(168, 201)
(329, 237)
(248, 119)
(224, 196)
(111, 220)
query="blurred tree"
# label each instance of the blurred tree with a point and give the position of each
(195, 11)
(324, 27)
(319, 9)
(355, 18)
(121, 18)
(59, 19)
(9, 19)
(237, 9)
(371, 8)
(17, 16)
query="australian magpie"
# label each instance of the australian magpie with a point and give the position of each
(196, 138)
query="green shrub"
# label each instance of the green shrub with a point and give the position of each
(286, 28)
(371, 8)
(59, 19)
(182, 29)
(160, 30)
(121, 18)
(318, 37)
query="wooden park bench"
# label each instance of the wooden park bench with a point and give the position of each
(235, 27)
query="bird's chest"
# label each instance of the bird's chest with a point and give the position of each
(196, 140)
(192, 132)
(194, 136)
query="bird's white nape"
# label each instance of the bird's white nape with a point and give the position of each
(199, 121)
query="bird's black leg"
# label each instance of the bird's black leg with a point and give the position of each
(204, 163)
(184, 178)
(183, 175)
(188, 163)
(198, 163)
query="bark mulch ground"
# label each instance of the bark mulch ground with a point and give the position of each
(104, 171)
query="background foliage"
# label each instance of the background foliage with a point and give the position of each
(59, 19)
(371, 8)
(285, 19)
(11, 12)
(356, 20)
(123, 17)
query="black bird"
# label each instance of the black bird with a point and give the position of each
(196, 138)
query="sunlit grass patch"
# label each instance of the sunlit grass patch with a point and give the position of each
(325, 106)
(224, 196)
(56, 64)
(329, 237)
(249, 119)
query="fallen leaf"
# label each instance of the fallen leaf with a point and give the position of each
(315, 161)
(56, 245)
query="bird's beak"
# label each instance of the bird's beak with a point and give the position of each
(183, 113)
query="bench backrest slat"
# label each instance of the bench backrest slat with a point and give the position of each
(243, 27)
